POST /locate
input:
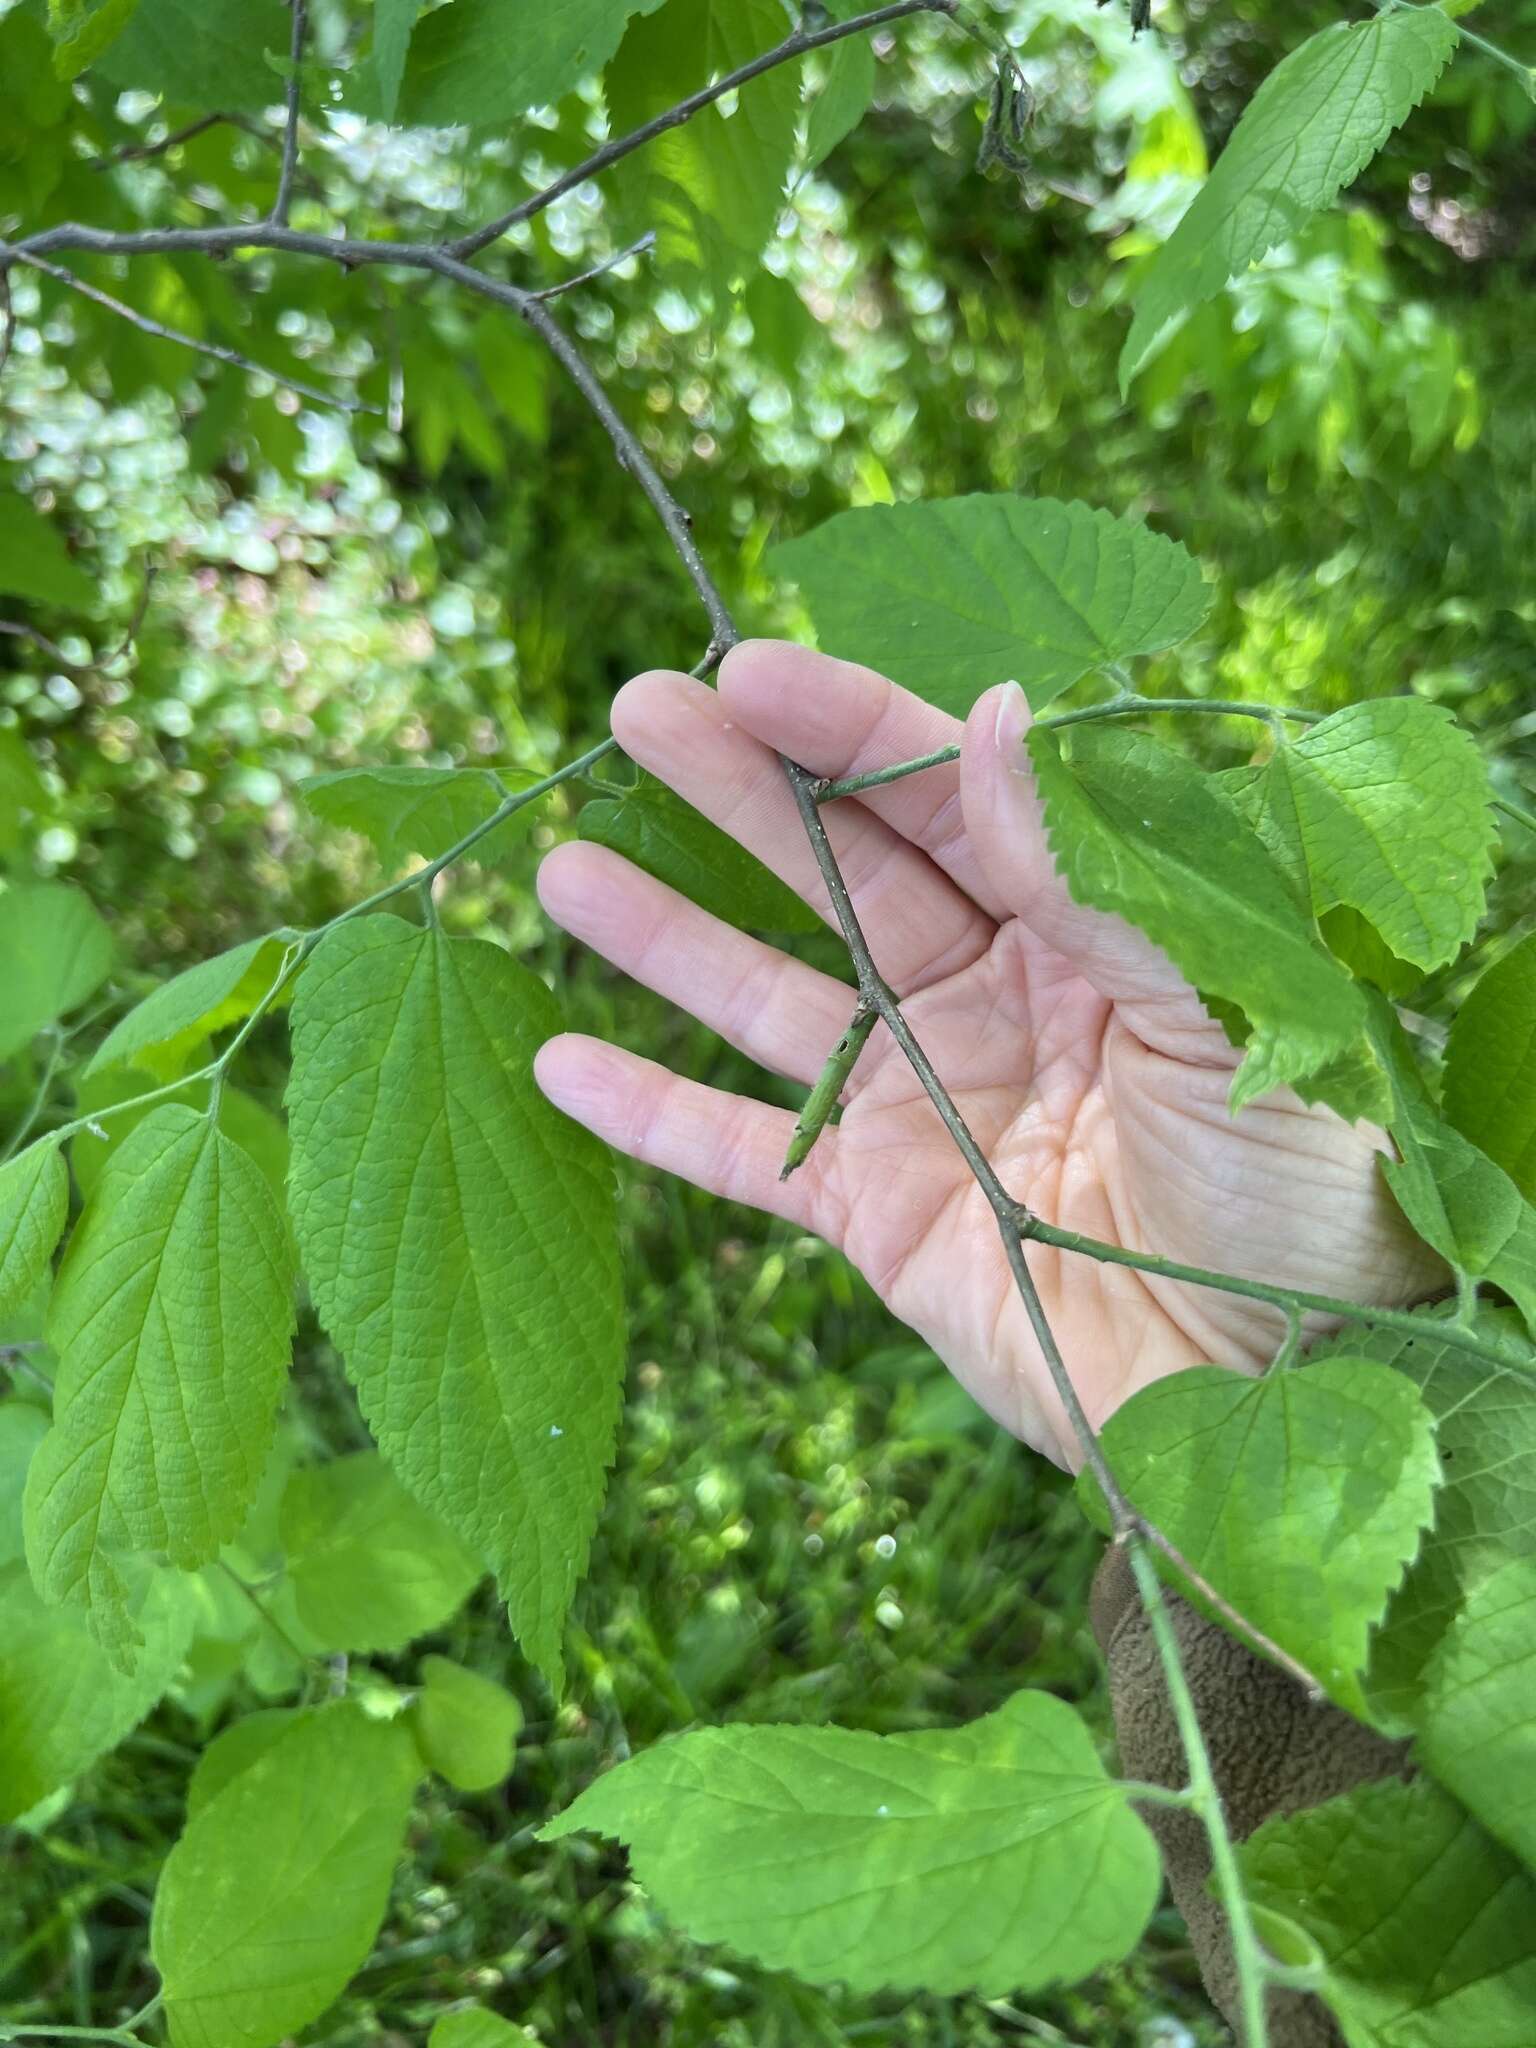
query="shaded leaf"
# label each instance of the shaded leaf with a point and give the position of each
(271, 1899)
(653, 826)
(844, 99)
(479, 62)
(1424, 1924)
(22, 1428)
(952, 595)
(1477, 1731)
(157, 1034)
(994, 1857)
(81, 31)
(1309, 130)
(1138, 830)
(34, 561)
(1299, 1496)
(393, 21)
(34, 1202)
(369, 1567)
(258, 1133)
(171, 1317)
(1490, 1065)
(23, 798)
(477, 2029)
(203, 53)
(466, 1726)
(57, 951)
(234, 1750)
(459, 1237)
(402, 811)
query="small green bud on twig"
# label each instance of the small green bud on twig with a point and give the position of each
(822, 1100)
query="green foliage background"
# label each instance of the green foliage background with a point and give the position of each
(807, 1521)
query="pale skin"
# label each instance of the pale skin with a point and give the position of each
(1082, 1061)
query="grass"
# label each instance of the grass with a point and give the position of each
(808, 1522)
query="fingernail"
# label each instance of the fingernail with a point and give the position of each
(1010, 727)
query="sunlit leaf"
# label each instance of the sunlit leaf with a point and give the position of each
(466, 1726)
(57, 951)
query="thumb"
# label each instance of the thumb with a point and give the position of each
(1005, 822)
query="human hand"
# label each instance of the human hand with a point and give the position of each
(1083, 1063)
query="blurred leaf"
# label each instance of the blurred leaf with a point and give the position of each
(203, 53)
(23, 798)
(466, 1726)
(393, 21)
(652, 826)
(995, 1857)
(1139, 831)
(1384, 807)
(478, 63)
(22, 1428)
(844, 98)
(1423, 1923)
(253, 1128)
(271, 1899)
(1309, 130)
(34, 561)
(1300, 1496)
(952, 595)
(477, 2029)
(171, 1317)
(405, 811)
(1477, 1732)
(369, 1567)
(34, 1201)
(157, 1034)
(1490, 1065)
(57, 951)
(234, 1750)
(81, 32)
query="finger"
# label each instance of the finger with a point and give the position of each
(722, 1143)
(1006, 821)
(919, 925)
(837, 718)
(778, 1011)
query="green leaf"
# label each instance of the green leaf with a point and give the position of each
(22, 1429)
(466, 1726)
(1476, 1729)
(271, 1899)
(844, 98)
(157, 1034)
(1299, 1496)
(402, 811)
(479, 62)
(994, 1858)
(202, 53)
(370, 1568)
(459, 1236)
(1424, 1924)
(1383, 807)
(171, 1317)
(34, 561)
(477, 2029)
(652, 826)
(254, 1129)
(81, 32)
(393, 21)
(1490, 1065)
(1485, 1508)
(954, 594)
(56, 951)
(34, 1202)
(712, 189)
(62, 1702)
(1139, 831)
(1309, 130)
(23, 798)
(234, 1750)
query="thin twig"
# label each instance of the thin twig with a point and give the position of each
(40, 1097)
(81, 671)
(568, 284)
(7, 319)
(157, 328)
(285, 176)
(141, 152)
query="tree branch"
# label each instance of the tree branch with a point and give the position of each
(215, 349)
(290, 163)
(569, 284)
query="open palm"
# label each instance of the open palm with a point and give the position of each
(1083, 1063)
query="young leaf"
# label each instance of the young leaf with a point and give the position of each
(1140, 831)
(34, 561)
(478, 2029)
(370, 1568)
(157, 1034)
(1422, 1922)
(713, 188)
(1309, 130)
(1485, 1508)
(659, 832)
(479, 62)
(466, 1726)
(954, 594)
(201, 53)
(56, 951)
(1382, 807)
(271, 1899)
(63, 1704)
(1476, 1731)
(234, 1750)
(996, 1857)
(393, 21)
(459, 1236)
(171, 1317)
(34, 1201)
(402, 811)
(1490, 1065)
(1300, 1496)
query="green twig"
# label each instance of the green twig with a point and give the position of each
(303, 1657)
(822, 1100)
(39, 1100)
